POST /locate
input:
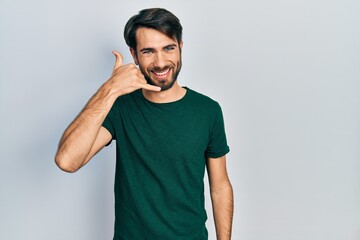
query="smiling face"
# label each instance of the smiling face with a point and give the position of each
(158, 57)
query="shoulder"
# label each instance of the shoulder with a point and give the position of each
(128, 98)
(202, 100)
(123, 103)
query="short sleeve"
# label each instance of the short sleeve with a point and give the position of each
(217, 146)
(109, 123)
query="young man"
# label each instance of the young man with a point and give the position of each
(165, 137)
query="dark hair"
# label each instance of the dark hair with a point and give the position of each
(156, 18)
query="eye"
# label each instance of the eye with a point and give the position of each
(169, 48)
(146, 52)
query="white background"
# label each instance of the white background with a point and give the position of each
(286, 73)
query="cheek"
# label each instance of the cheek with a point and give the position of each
(144, 62)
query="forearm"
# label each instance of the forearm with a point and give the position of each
(79, 137)
(75, 147)
(223, 208)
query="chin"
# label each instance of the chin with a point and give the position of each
(164, 85)
(167, 86)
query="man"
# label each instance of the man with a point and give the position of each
(165, 136)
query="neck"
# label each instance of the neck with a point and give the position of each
(176, 92)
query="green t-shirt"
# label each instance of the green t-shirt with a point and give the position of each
(161, 151)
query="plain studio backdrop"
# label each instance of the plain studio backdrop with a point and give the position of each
(286, 73)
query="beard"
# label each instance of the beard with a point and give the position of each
(164, 84)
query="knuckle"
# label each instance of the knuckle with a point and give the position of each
(130, 66)
(134, 84)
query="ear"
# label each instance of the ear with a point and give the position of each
(181, 44)
(134, 55)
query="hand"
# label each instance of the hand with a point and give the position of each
(127, 78)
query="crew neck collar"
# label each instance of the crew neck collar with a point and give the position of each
(167, 103)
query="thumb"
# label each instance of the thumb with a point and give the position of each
(118, 59)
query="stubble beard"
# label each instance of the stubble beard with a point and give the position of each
(163, 84)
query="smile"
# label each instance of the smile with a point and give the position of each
(162, 73)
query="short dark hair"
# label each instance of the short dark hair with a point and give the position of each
(156, 18)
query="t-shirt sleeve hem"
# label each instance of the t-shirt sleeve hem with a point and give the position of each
(108, 127)
(218, 154)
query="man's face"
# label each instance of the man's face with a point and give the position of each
(158, 57)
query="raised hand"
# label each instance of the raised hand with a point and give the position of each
(85, 137)
(127, 78)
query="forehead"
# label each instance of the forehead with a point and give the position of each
(151, 38)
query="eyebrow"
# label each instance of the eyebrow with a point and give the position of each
(146, 49)
(152, 49)
(170, 45)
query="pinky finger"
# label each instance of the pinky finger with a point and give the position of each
(150, 87)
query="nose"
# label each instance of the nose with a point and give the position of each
(160, 60)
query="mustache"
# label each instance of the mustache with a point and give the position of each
(160, 69)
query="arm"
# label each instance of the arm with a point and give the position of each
(221, 196)
(85, 136)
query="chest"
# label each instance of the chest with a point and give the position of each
(181, 130)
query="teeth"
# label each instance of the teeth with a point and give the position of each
(162, 73)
